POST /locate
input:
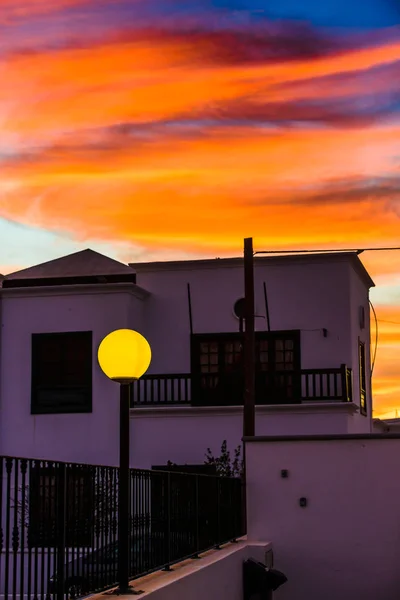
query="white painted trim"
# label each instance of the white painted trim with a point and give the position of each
(190, 411)
(150, 584)
(74, 290)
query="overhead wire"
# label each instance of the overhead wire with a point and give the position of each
(332, 250)
(392, 322)
(376, 338)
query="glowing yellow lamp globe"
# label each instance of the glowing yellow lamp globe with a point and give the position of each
(124, 355)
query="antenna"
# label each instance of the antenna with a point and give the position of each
(190, 309)
(266, 307)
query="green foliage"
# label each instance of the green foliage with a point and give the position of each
(225, 465)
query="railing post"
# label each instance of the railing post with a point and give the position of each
(233, 507)
(345, 387)
(168, 536)
(218, 540)
(60, 529)
(197, 518)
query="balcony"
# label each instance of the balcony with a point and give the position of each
(215, 389)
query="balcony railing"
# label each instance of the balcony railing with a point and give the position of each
(214, 389)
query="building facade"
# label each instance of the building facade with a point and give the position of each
(312, 363)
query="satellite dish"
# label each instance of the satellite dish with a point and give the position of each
(239, 308)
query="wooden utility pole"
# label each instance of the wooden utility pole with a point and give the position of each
(249, 341)
(249, 363)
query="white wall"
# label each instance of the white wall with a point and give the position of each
(360, 297)
(183, 435)
(91, 437)
(345, 544)
(309, 295)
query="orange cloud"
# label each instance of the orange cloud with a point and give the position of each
(173, 189)
(154, 77)
(386, 383)
(382, 265)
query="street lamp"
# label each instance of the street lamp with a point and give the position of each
(124, 355)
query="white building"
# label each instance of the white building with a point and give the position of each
(312, 367)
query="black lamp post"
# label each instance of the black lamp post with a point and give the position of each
(249, 362)
(124, 355)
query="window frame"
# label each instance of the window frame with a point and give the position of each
(38, 406)
(362, 377)
(220, 338)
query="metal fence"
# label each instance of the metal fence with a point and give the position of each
(59, 524)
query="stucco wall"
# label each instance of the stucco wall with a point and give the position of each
(183, 436)
(345, 544)
(302, 295)
(76, 437)
(360, 297)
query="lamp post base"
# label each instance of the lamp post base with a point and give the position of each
(125, 591)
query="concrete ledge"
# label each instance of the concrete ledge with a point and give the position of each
(217, 574)
(322, 437)
(186, 411)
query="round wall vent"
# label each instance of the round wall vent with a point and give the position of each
(239, 308)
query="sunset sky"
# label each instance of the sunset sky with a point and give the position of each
(159, 129)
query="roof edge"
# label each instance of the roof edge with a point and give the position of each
(215, 263)
(83, 288)
(360, 269)
(68, 280)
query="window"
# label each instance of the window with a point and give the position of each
(46, 511)
(362, 375)
(218, 368)
(61, 372)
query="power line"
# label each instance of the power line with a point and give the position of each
(335, 250)
(392, 322)
(376, 339)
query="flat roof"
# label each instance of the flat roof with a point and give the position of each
(278, 260)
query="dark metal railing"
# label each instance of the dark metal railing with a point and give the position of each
(58, 524)
(280, 387)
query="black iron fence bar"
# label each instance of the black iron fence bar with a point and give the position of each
(217, 546)
(60, 528)
(197, 510)
(169, 515)
(176, 389)
(9, 465)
